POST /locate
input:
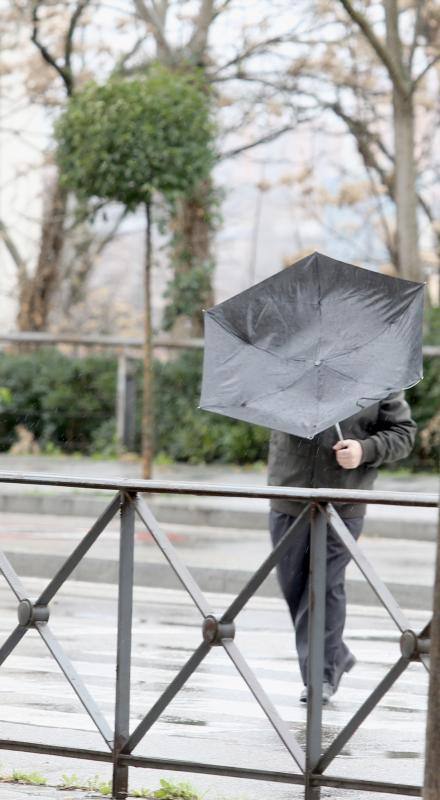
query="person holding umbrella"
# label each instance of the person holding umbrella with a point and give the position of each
(320, 346)
(382, 433)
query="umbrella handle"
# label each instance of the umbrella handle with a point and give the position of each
(339, 432)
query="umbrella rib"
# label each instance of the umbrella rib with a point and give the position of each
(357, 346)
(255, 346)
(266, 394)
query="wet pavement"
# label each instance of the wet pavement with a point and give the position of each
(214, 718)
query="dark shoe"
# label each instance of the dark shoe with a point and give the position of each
(346, 666)
(330, 688)
(327, 691)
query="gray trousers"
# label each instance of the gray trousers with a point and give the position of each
(293, 577)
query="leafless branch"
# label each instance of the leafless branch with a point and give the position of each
(153, 20)
(381, 51)
(12, 248)
(199, 37)
(418, 15)
(48, 57)
(120, 66)
(81, 6)
(425, 71)
(255, 49)
(268, 137)
(102, 244)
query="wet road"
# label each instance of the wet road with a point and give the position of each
(214, 718)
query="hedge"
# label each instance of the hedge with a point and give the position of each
(69, 405)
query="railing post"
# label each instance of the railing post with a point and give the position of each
(315, 662)
(123, 656)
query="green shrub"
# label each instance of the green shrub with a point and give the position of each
(69, 404)
(61, 400)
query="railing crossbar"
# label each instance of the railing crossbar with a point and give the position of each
(179, 568)
(361, 714)
(265, 704)
(264, 569)
(12, 578)
(165, 699)
(416, 499)
(80, 551)
(11, 643)
(76, 683)
(369, 573)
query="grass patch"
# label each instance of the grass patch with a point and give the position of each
(32, 778)
(169, 791)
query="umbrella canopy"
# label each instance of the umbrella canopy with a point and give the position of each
(312, 345)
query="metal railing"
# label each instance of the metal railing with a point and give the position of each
(311, 762)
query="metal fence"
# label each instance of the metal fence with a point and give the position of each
(309, 763)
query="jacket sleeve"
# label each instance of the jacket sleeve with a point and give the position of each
(395, 433)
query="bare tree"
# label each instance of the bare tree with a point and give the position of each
(375, 74)
(49, 79)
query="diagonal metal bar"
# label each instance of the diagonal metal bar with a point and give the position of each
(381, 591)
(361, 714)
(76, 682)
(263, 570)
(12, 578)
(11, 642)
(172, 689)
(266, 705)
(79, 552)
(179, 568)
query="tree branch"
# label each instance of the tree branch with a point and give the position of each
(49, 59)
(254, 49)
(268, 137)
(81, 6)
(199, 38)
(419, 6)
(11, 247)
(361, 21)
(152, 19)
(119, 68)
(422, 74)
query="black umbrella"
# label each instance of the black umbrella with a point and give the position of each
(312, 345)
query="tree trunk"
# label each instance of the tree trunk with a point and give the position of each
(147, 401)
(193, 228)
(432, 772)
(36, 291)
(405, 194)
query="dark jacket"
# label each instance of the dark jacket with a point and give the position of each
(386, 433)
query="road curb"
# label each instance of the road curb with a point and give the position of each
(210, 579)
(189, 513)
